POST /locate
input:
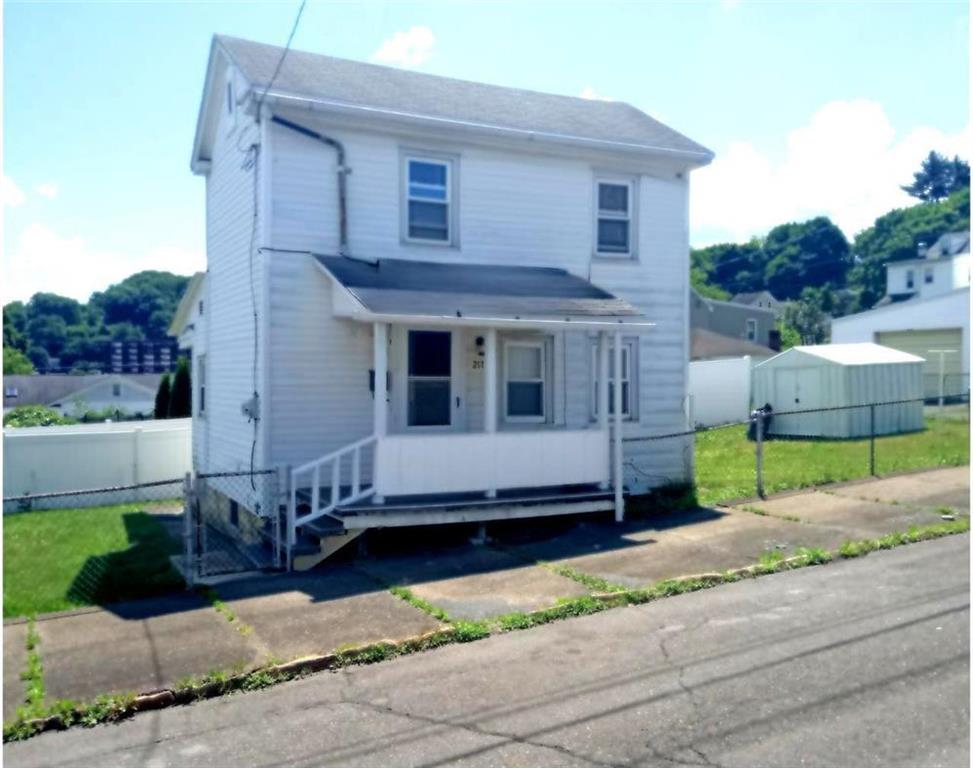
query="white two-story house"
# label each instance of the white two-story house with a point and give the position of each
(436, 300)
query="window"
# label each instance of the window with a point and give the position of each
(201, 376)
(524, 368)
(201, 307)
(430, 366)
(10, 392)
(928, 275)
(116, 390)
(229, 98)
(614, 218)
(428, 197)
(629, 385)
(910, 279)
(751, 329)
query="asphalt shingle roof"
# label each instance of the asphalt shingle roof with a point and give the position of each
(354, 83)
(405, 287)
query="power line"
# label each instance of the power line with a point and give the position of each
(287, 48)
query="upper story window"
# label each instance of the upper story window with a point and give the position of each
(229, 98)
(928, 275)
(614, 222)
(116, 390)
(910, 279)
(428, 200)
(751, 329)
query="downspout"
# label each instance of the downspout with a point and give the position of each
(343, 171)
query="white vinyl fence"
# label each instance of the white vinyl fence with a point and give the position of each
(89, 456)
(720, 390)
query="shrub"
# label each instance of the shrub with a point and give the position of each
(35, 416)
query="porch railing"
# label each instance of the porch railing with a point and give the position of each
(328, 467)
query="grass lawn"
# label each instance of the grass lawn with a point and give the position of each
(725, 464)
(66, 558)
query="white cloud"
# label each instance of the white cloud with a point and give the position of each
(406, 49)
(10, 193)
(729, 5)
(48, 189)
(590, 93)
(43, 260)
(846, 163)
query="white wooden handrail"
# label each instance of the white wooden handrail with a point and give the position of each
(336, 499)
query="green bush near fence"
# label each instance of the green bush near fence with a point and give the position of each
(58, 559)
(725, 465)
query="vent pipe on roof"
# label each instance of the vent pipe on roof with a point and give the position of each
(343, 171)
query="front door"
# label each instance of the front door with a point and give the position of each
(429, 385)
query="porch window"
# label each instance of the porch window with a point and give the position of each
(428, 200)
(629, 385)
(613, 200)
(430, 365)
(524, 368)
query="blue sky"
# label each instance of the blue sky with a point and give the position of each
(811, 108)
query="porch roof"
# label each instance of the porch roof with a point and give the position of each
(400, 290)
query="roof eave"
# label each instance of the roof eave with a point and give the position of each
(695, 158)
(507, 323)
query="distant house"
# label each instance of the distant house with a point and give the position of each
(925, 312)
(728, 329)
(761, 300)
(70, 395)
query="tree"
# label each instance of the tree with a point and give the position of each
(35, 416)
(806, 317)
(732, 267)
(162, 397)
(802, 254)
(16, 362)
(146, 300)
(41, 304)
(938, 178)
(15, 326)
(697, 279)
(181, 397)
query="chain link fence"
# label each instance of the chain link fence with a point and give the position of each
(773, 451)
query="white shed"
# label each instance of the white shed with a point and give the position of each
(840, 376)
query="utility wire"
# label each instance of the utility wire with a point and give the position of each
(280, 63)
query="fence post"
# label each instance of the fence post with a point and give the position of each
(136, 435)
(759, 416)
(871, 445)
(187, 525)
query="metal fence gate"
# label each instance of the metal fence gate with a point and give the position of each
(233, 523)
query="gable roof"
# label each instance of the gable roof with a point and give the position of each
(184, 310)
(863, 353)
(751, 297)
(707, 345)
(400, 287)
(344, 84)
(50, 388)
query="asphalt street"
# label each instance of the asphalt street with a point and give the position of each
(858, 663)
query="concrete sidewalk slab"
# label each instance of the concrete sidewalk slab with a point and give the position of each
(475, 582)
(949, 487)
(138, 647)
(14, 664)
(301, 615)
(858, 518)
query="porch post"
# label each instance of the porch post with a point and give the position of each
(617, 392)
(380, 336)
(490, 388)
(602, 394)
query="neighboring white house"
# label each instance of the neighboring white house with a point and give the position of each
(188, 326)
(931, 319)
(75, 395)
(478, 255)
(830, 380)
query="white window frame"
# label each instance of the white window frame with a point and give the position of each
(450, 201)
(11, 391)
(538, 344)
(629, 216)
(752, 329)
(630, 364)
(201, 386)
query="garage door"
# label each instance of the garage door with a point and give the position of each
(920, 343)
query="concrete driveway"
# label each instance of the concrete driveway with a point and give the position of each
(152, 644)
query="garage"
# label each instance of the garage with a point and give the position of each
(920, 343)
(814, 391)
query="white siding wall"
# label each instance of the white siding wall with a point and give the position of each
(948, 274)
(514, 208)
(229, 329)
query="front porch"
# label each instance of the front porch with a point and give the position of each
(468, 419)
